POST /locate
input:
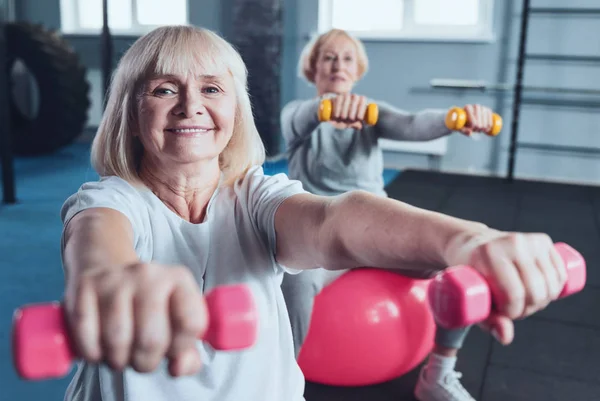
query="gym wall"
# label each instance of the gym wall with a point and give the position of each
(401, 71)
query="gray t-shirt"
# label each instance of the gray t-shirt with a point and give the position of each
(235, 244)
(331, 161)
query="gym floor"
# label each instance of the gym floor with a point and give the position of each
(554, 356)
(555, 353)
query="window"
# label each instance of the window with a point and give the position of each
(456, 20)
(125, 17)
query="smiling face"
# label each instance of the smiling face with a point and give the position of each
(336, 69)
(185, 118)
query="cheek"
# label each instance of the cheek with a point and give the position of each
(353, 69)
(226, 115)
(321, 70)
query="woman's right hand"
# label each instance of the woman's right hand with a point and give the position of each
(137, 315)
(348, 110)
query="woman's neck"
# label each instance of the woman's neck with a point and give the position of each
(184, 193)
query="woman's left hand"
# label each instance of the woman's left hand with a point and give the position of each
(524, 272)
(479, 119)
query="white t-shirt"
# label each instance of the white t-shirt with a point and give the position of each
(235, 244)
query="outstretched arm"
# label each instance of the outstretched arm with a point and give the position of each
(401, 125)
(299, 119)
(357, 229)
(360, 229)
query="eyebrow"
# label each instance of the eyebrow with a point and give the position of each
(344, 52)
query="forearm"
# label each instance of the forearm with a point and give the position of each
(400, 125)
(366, 230)
(300, 119)
(97, 239)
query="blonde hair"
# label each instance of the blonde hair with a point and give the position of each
(308, 58)
(177, 50)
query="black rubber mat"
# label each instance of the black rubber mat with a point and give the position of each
(555, 353)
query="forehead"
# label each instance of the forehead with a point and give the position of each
(191, 59)
(339, 45)
(190, 76)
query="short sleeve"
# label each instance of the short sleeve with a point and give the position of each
(263, 194)
(109, 192)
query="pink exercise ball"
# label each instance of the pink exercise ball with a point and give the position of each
(369, 326)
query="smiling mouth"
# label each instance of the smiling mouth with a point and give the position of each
(189, 131)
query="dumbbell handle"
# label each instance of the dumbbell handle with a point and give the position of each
(460, 296)
(326, 109)
(456, 119)
(42, 348)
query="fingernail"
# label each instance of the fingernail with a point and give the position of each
(186, 363)
(496, 334)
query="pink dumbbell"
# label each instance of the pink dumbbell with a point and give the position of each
(42, 349)
(460, 296)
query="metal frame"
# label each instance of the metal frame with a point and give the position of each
(6, 151)
(107, 52)
(518, 88)
(562, 10)
(484, 86)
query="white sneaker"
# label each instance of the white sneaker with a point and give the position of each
(447, 388)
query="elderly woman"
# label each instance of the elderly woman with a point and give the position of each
(183, 206)
(341, 155)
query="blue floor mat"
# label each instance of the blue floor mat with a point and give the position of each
(281, 166)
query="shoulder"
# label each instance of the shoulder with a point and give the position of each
(256, 186)
(108, 192)
(291, 107)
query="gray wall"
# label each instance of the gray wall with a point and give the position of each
(407, 68)
(205, 13)
(401, 70)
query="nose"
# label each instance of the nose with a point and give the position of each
(335, 66)
(190, 104)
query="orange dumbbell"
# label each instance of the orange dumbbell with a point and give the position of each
(326, 108)
(456, 119)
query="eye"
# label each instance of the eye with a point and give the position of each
(349, 58)
(163, 92)
(211, 89)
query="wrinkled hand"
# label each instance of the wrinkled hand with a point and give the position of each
(479, 119)
(136, 316)
(523, 270)
(348, 110)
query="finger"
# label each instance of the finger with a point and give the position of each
(559, 265)
(345, 109)
(84, 322)
(189, 321)
(353, 108)
(116, 326)
(488, 121)
(337, 104)
(501, 327)
(548, 269)
(504, 280)
(187, 362)
(362, 108)
(152, 327)
(536, 289)
(471, 118)
(477, 123)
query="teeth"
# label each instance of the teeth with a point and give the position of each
(189, 130)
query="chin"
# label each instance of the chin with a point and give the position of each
(339, 89)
